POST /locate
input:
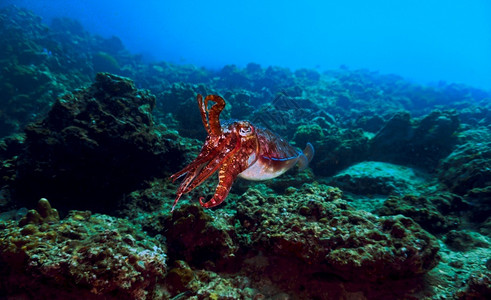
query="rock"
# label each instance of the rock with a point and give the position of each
(461, 240)
(421, 143)
(180, 100)
(485, 227)
(370, 123)
(371, 177)
(42, 214)
(308, 134)
(200, 239)
(83, 256)
(478, 286)
(180, 278)
(331, 238)
(437, 213)
(468, 166)
(95, 145)
(308, 75)
(339, 149)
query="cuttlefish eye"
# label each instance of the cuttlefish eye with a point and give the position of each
(246, 129)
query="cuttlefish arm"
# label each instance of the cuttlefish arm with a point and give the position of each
(213, 152)
(226, 177)
(211, 117)
(204, 166)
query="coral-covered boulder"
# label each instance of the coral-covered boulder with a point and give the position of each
(467, 171)
(437, 213)
(83, 256)
(422, 142)
(95, 145)
(373, 177)
(338, 149)
(313, 227)
(199, 238)
(469, 165)
(477, 286)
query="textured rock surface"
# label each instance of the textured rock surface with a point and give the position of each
(95, 145)
(338, 150)
(477, 286)
(314, 227)
(372, 177)
(83, 256)
(44, 213)
(463, 240)
(422, 143)
(469, 165)
(201, 239)
(436, 213)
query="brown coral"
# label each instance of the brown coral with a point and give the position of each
(84, 256)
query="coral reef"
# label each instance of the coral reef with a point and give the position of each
(372, 177)
(393, 158)
(83, 256)
(95, 145)
(314, 227)
(422, 143)
(436, 213)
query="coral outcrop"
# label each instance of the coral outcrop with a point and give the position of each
(83, 256)
(95, 145)
(109, 147)
(314, 227)
(201, 239)
(436, 213)
(421, 143)
(44, 213)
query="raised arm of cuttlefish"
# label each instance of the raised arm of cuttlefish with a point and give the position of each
(237, 148)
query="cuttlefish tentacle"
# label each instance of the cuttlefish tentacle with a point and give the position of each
(226, 178)
(211, 168)
(210, 158)
(211, 117)
(198, 172)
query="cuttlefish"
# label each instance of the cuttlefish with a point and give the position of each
(237, 149)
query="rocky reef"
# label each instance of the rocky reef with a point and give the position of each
(395, 205)
(82, 256)
(84, 145)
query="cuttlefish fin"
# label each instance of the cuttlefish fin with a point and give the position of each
(305, 157)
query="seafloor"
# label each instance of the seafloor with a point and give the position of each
(395, 205)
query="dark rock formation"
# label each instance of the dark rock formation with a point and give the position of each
(436, 213)
(421, 143)
(313, 227)
(95, 145)
(200, 239)
(83, 256)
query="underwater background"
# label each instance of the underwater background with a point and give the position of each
(98, 108)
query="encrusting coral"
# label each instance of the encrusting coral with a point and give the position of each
(42, 214)
(83, 256)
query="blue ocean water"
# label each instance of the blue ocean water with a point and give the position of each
(424, 41)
